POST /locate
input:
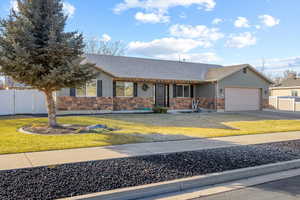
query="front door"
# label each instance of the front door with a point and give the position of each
(160, 95)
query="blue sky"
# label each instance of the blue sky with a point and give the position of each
(211, 31)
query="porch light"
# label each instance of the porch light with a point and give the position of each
(221, 91)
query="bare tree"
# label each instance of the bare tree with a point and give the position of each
(96, 46)
(287, 73)
(277, 80)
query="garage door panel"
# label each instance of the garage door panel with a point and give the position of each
(242, 99)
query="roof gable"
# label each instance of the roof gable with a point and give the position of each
(222, 73)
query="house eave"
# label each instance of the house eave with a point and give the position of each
(153, 80)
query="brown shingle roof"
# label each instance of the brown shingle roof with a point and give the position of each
(220, 73)
(141, 68)
(290, 82)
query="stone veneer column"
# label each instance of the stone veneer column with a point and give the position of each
(221, 104)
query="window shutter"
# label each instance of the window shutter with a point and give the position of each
(99, 88)
(135, 89)
(192, 91)
(174, 91)
(114, 89)
(73, 92)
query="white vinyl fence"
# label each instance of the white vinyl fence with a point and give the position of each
(285, 103)
(14, 102)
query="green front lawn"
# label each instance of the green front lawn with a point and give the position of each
(11, 141)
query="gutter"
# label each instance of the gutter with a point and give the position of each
(291, 87)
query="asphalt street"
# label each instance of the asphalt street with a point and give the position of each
(285, 189)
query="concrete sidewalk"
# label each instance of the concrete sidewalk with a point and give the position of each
(26, 160)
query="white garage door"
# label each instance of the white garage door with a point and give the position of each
(241, 99)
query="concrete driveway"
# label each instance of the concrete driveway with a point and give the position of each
(271, 114)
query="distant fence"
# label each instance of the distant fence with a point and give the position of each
(14, 102)
(285, 103)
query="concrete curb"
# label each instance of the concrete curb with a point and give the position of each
(189, 183)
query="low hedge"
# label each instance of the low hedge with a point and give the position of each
(161, 110)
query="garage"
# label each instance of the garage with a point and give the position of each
(242, 99)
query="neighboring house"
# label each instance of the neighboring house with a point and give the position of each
(126, 83)
(10, 83)
(289, 87)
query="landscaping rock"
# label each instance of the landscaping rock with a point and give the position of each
(99, 126)
(82, 178)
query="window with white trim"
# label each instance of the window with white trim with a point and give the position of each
(183, 90)
(88, 90)
(124, 89)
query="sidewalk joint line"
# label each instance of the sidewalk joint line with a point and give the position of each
(27, 158)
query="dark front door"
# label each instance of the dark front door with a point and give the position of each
(160, 95)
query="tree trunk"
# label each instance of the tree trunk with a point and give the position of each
(51, 109)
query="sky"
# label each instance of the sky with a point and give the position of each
(209, 31)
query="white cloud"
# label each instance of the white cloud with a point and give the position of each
(163, 5)
(241, 40)
(14, 5)
(200, 32)
(242, 22)
(269, 20)
(152, 18)
(68, 8)
(105, 38)
(164, 46)
(217, 21)
(258, 27)
(207, 57)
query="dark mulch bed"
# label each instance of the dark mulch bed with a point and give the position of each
(43, 129)
(89, 177)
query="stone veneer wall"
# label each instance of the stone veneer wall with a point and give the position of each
(180, 103)
(207, 103)
(220, 104)
(67, 103)
(266, 104)
(132, 103)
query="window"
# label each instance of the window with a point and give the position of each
(91, 89)
(245, 70)
(294, 93)
(179, 90)
(124, 89)
(88, 90)
(183, 90)
(80, 92)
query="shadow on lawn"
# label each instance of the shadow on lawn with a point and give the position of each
(199, 120)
